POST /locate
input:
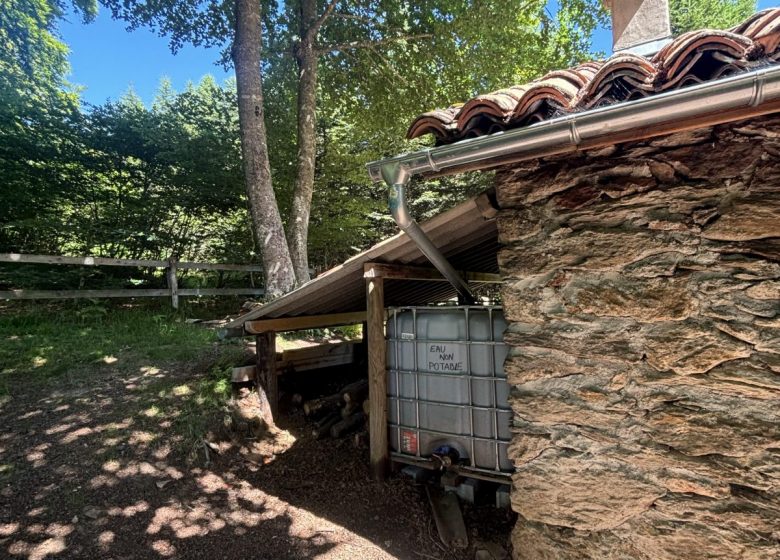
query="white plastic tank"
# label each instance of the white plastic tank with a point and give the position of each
(446, 384)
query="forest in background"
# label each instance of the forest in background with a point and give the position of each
(125, 180)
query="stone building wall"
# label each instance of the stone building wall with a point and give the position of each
(643, 294)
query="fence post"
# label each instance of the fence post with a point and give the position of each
(172, 283)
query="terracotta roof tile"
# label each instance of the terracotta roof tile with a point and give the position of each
(691, 58)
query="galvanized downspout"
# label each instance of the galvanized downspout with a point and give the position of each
(397, 179)
(708, 100)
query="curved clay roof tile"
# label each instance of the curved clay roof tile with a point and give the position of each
(765, 31)
(688, 59)
(556, 91)
(677, 58)
(497, 105)
(635, 69)
(571, 75)
(589, 69)
(439, 122)
(755, 23)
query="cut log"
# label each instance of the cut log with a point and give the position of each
(325, 419)
(360, 439)
(347, 425)
(323, 405)
(243, 374)
(323, 427)
(355, 392)
(349, 409)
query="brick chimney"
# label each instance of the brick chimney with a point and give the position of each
(639, 26)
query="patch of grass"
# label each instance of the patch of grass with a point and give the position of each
(177, 374)
(5, 470)
(190, 407)
(40, 343)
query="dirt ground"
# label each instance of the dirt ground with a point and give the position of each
(89, 471)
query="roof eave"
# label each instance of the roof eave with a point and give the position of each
(728, 99)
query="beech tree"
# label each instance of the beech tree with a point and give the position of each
(687, 15)
(307, 31)
(384, 47)
(236, 27)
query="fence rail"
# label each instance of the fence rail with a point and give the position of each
(102, 261)
(171, 266)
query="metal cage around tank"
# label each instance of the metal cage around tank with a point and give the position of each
(447, 387)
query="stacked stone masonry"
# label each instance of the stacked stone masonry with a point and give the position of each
(643, 294)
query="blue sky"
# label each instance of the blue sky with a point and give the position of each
(106, 60)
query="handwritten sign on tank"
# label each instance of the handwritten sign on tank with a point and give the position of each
(446, 357)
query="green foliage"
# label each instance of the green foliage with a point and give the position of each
(689, 15)
(37, 112)
(125, 180)
(406, 59)
(446, 52)
(131, 182)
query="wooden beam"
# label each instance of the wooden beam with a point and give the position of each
(316, 357)
(77, 294)
(82, 261)
(217, 266)
(266, 369)
(487, 205)
(304, 322)
(377, 377)
(404, 272)
(220, 291)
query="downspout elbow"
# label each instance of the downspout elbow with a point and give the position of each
(397, 178)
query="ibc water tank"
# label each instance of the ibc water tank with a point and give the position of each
(446, 384)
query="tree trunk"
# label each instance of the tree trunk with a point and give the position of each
(306, 59)
(247, 51)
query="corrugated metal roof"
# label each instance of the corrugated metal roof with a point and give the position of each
(466, 234)
(691, 58)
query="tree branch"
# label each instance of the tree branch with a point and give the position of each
(389, 67)
(356, 18)
(370, 44)
(311, 33)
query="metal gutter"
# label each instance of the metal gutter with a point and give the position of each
(572, 132)
(700, 105)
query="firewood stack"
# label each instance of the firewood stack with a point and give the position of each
(341, 413)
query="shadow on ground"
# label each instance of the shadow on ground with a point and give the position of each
(109, 470)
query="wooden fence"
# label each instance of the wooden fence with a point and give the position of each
(171, 266)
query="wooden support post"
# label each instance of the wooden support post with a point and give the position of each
(173, 285)
(266, 369)
(377, 377)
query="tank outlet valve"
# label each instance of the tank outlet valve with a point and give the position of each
(446, 456)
